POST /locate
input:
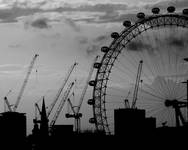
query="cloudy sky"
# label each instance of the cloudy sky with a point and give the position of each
(61, 32)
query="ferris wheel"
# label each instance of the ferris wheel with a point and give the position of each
(160, 43)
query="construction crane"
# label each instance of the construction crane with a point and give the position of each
(75, 115)
(61, 89)
(25, 82)
(76, 109)
(177, 105)
(135, 94)
(60, 106)
(22, 87)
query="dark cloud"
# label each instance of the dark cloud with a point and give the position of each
(171, 40)
(40, 23)
(166, 3)
(177, 42)
(11, 15)
(138, 46)
(22, 9)
(111, 13)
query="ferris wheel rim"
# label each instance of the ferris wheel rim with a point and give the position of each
(115, 48)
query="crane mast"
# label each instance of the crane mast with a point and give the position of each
(135, 94)
(25, 82)
(75, 115)
(62, 102)
(61, 89)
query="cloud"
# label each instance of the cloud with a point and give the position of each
(40, 23)
(138, 46)
(83, 40)
(8, 67)
(179, 42)
(116, 17)
(72, 24)
(15, 45)
(101, 38)
(107, 7)
(92, 49)
(164, 4)
(88, 13)
(113, 17)
(11, 14)
(19, 9)
(11, 70)
(96, 43)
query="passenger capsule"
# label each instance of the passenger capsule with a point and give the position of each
(104, 49)
(91, 102)
(171, 9)
(127, 23)
(92, 83)
(185, 11)
(115, 35)
(68, 115)
(97, 65)
(92, 120)
(155, 10)
(141, 15)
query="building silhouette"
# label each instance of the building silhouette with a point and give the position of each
(128, 121)
(13, 129)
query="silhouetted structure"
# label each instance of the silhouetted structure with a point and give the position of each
(62, 131)
(13, 129)
(128, 121)
(13, 125)
(44, 122)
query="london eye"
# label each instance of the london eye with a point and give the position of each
(159, 43)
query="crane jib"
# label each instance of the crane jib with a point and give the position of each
(25, 82)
